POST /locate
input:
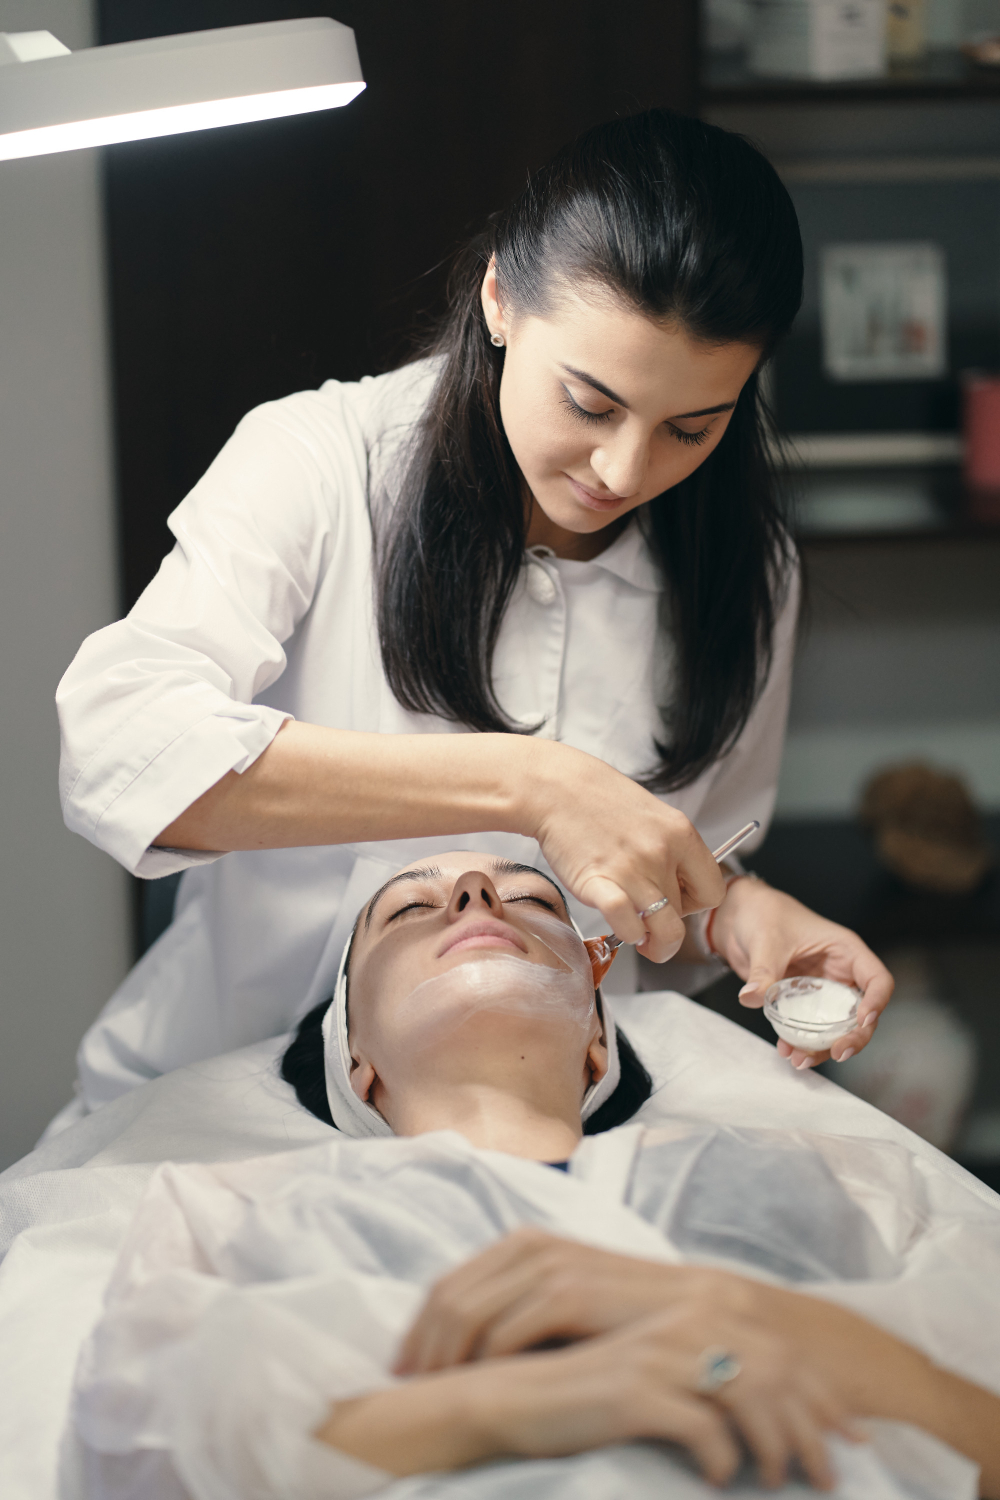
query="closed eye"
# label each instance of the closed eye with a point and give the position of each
(688, 437)
(582, 414)
(412, 906)
(530, 896)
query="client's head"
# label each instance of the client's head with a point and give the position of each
(467, 1001)
(466, 977)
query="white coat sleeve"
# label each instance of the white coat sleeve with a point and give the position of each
(745, 782)
(156, 708)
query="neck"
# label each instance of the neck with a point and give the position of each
(490, 1118)
(580, 546)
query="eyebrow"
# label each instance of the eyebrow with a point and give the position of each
(432, 872)
(683, 416)
(426, 872)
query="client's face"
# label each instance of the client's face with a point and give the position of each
(468, 966)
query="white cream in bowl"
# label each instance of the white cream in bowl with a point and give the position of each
(811, 1013)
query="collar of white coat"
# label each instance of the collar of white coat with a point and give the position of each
(355, 1117)
(628, 558)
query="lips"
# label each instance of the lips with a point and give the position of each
(592, 501)
(484, 932)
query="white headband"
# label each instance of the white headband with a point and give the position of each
(357, 1118)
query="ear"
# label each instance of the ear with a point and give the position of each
(492, 311)
(363, 1077)
(596, 1061)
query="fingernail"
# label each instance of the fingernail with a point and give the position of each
(845, 1055)
(749, 989)
(806, 1062)
(870, 1018)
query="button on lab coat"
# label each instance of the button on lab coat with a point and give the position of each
(264, 611)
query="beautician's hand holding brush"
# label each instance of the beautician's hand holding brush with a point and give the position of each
(765, 936)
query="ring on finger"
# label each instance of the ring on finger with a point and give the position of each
(648, 911)
(716, 1367)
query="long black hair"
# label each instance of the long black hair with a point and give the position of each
(685, 223)
(303, 1067)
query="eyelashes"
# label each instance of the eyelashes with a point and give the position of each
(504, 901)
(690, 437)
(581, 414)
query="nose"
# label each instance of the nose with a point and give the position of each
(621, 462)
(475, 892)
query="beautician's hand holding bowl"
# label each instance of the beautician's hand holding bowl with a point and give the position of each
(764, 936)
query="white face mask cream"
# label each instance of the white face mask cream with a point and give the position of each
(503, 983)
(811, 1013)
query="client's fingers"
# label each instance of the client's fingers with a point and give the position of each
(697, 1426)
(764, 1433)
(455, 1319)
(462, 1304)
(808, 1443)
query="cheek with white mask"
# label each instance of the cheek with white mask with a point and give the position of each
(501, 984)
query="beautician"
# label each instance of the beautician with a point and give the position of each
(532, 591)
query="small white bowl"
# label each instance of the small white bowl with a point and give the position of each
(791, 1005)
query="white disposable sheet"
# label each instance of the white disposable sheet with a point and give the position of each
(67, 1209)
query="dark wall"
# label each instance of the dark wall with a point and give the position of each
(260, 259)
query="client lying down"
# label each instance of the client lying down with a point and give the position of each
(478, 1276)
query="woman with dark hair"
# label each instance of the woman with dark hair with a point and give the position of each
(558, 529)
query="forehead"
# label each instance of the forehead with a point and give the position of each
(615, 339)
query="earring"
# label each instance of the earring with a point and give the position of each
(497, 339)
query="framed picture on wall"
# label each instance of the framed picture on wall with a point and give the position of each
(883, 310)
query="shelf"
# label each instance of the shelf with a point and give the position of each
(852, 491)
(725, 79)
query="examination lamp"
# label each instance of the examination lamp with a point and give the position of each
(52, 99)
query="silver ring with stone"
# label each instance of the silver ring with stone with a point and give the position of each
(648, 911)
(717, 1367)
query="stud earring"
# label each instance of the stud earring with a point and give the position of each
(497, 339)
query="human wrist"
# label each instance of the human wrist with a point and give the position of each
(709, 929)
(534, 774)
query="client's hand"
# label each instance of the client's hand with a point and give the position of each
(644, 1380)
(765, 935)
(531, 1287)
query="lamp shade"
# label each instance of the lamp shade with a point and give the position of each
(169, 85)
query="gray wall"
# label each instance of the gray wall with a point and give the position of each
(899, 660)
(64, 930)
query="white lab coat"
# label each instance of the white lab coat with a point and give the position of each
(264, 611)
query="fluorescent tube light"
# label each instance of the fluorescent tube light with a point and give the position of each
(54, 100)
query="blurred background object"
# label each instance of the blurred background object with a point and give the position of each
(905, 30)
(895, 471)
(981, 424)
(817, 38)
(926, 829)
(920, 1066)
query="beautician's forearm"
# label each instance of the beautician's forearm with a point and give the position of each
(336, 786)
(879, 1375)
